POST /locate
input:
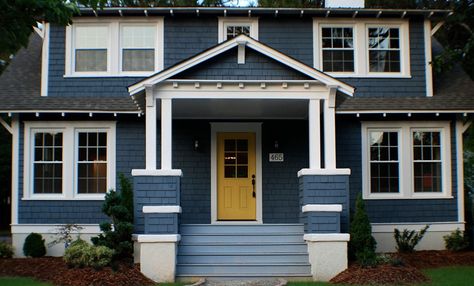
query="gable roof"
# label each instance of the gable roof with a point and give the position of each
(248, 42)
(20, 89)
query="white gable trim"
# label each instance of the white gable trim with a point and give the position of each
(251, 43)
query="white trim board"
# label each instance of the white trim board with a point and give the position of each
(434, 226)
(236, 127)
(253, 44)
(161, 209)
(45, 60)
(15, 168)
(52, 228)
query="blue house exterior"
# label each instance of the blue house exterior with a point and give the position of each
(248, 134)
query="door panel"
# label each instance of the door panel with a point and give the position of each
(236, 164)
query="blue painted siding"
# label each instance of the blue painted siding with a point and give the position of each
(130, 154)
(414, 86)
(225, 67)
(391, 211)
(294, 37)
(186, 37)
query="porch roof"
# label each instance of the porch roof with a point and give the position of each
(253, 44)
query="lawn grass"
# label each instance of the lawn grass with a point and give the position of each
(447, 276)
(21, 281)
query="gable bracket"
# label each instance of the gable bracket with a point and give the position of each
(241, 53)
(7, 127)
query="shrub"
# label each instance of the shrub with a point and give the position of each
(362, 244)
(408, 239)
(6, 250)
(119, 207)
(456, 241)
(34, 245)
(82, 254)
(64, 234)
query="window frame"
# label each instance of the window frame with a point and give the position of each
(224, 22)
(70, 157)
(115, 47)
(354, 43)
(361, 51)
(406, 158)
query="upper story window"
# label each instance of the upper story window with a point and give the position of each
(110, 47)
(384, 49)
(338, 49)
(231, 27)
(91, 48)
(138, 47)
(406, 160)
(362, 47)
(68, 160)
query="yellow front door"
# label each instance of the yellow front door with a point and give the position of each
(236, 181)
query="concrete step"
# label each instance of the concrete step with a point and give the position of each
(240, 229)
(245, 269)
(185, 248)
(243, 257)
(246, 237)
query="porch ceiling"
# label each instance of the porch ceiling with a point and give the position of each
(239, 109)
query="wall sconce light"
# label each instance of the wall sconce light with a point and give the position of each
(196, 145)
(276, 145)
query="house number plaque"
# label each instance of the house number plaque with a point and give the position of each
(276, 157)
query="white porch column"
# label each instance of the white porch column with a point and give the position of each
(314, 123)
(166, 134)
(150, 134)
(330, 130)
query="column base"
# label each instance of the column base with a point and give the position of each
(327, 254)
(158, 257)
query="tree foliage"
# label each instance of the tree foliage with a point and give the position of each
(362, 244)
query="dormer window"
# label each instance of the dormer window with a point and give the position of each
(231, 27)
(114, 47)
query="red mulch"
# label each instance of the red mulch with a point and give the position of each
(55, 271)
(407, 273)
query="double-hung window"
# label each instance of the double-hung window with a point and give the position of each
(384, 49)
(91, 48)
(69, 160)
(337, 49)
(406, 160)
(138, 44)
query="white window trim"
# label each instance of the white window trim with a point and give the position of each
(114, 51)
(69, 130)
(237, 21)
(361, 50)
(406, 173)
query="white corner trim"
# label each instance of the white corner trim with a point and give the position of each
(327, 172)
(157, 173)
(151, 238)
(322, 208)
(161, 209)
(45, 60)
(434, 226)
(326, 237)
(52, 228)
(428, 58)
(460, 168)
(15, 168)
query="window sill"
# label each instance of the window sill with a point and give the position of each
(35, 198)
(413, 197)
(102, 75)
(353, 75)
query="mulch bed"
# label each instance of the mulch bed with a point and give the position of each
(409, 272)
(55, 271)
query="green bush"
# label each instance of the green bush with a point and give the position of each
(456, 241)
(34, 245)
(119, 207)
(82, 254)
(408, 239)
(6, 250)
(362, 245)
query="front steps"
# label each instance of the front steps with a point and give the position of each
(227, 251)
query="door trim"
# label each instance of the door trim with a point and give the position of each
(255, 127)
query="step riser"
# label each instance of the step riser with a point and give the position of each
(227, 259)
(243, 248)
(272, 270)
(239, 229)
(242, 238)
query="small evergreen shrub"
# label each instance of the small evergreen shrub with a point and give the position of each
(6, 250)
(34, 245)
(456, 241)
(408, 239)
(362, 244)
(65, 235)
(118, 234)
(81, 254)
